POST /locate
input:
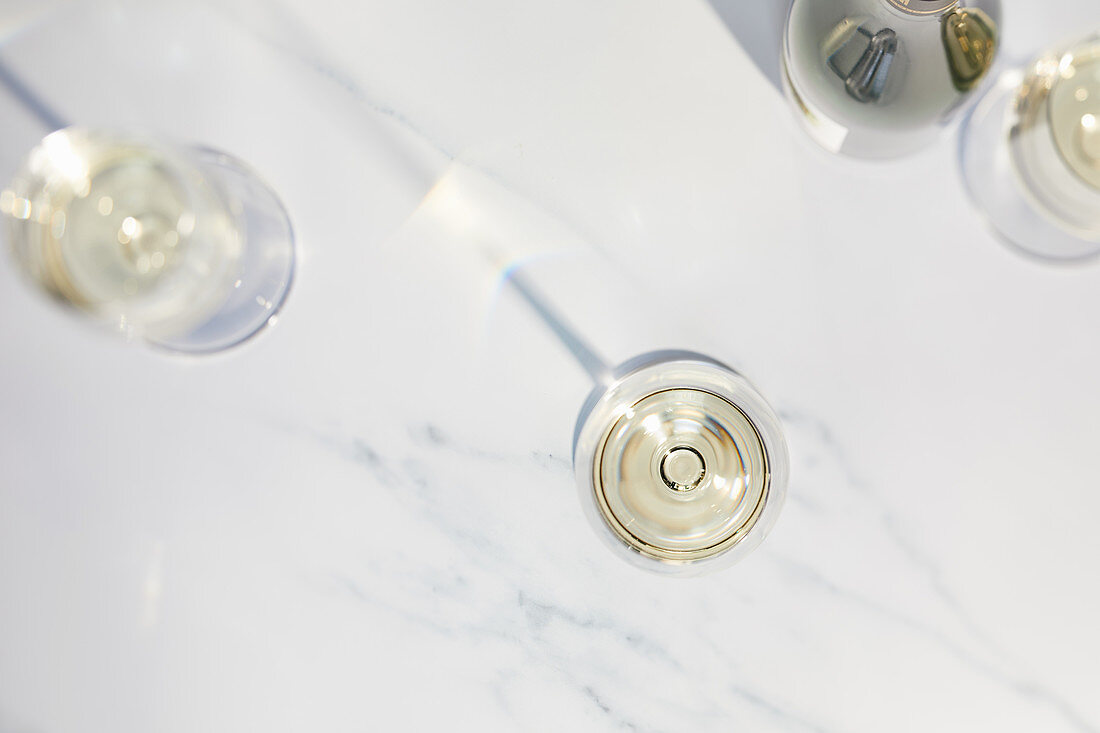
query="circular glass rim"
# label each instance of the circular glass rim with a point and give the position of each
(661, 371)
(678, 555)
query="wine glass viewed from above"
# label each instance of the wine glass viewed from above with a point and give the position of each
(681, 464)
(182, 246)
(881, 78)
(1030, 154)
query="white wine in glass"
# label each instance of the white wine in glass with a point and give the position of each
(183, 246)
(1030, 154)
(682, 465)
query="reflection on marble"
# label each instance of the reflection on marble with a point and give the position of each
(366, 518)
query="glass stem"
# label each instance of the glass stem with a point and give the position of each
(585, 355)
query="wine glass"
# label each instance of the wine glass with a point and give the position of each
(882, 78)
(180, 245)
(112, 210)
(680, 463)
(1030, 154)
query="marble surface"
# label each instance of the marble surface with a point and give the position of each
(365, 519)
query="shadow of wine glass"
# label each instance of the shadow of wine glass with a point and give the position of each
(758, 27)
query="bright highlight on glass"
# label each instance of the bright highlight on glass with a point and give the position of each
(182, 246)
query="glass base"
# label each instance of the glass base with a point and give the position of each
(996, 187)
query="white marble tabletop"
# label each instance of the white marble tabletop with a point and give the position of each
(365, 519)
